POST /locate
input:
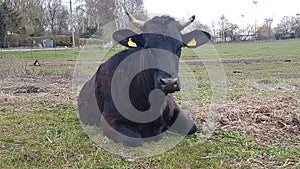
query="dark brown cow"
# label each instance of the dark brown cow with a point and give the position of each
(129, 97)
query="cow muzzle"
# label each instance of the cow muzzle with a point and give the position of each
(169, 85)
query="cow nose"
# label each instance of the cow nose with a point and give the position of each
(170, 85)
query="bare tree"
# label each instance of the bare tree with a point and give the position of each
(248, 31)
(52, 16)
(80, 19)
(97, 13)
(135, 7)
(288, 27)
(213, 25)
(228, 30)
(222, 23)
(268, 22)
(198, 25)
(56, 17)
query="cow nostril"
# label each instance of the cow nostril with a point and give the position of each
(169, 85)
(164, 81)
(169, 81)
(176, 82)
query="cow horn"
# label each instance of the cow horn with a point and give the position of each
(136, 22)
(184, 24)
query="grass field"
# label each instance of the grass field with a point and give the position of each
(276, 49)
(259, 126)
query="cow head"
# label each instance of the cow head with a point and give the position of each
(163, 39)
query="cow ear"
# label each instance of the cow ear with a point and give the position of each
(196, 38)
(128, 38)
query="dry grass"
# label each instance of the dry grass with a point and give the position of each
(26, 86)
(267, 119)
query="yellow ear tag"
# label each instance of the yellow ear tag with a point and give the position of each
(192, 43)
(131, 43)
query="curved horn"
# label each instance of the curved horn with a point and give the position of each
(184, 24)
(136, 22)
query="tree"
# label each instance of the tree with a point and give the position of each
(32, 15)
(38, 28)
(56, 17)
(10, 22)
(288, 27)
(91, 32)
(41, 17)
(80, 19)
(3, 30)
(213, 25)
(248, 31)
(135, 7)
(198, 25)
(97, 13)
(228, 30)
(268, 22)
(222, 23)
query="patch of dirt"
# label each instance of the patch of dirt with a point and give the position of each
(20, 89)
(28, 89)
(246, 60)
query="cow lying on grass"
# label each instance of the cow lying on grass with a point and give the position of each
(130, 97)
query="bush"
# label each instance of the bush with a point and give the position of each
(59, 40)
(83, 41)
(17, 41)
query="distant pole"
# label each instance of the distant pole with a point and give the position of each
(243, 16)
(298, 18)
(72, 25)
(255, 3)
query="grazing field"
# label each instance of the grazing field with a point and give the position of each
(259, 126)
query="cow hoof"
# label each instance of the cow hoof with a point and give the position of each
(193, 130)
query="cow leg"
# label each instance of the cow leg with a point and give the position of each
(128, 136)
(121, 132)
(183, 125)
(89, 113)
(176, 120)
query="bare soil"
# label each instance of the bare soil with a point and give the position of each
(239, 60)
(23, 87)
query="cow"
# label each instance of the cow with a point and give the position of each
(130, 95)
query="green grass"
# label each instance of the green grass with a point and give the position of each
(56, 139)
(287, 48)
(275, 49)
(50, 55)
(271, 75)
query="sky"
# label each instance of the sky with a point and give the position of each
(211, 10)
